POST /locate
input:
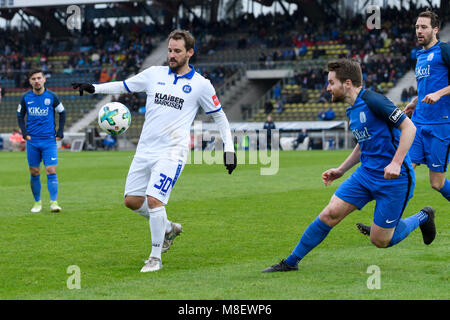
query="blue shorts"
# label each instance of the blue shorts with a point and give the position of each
(391, 196)
(431, 146)
(38, 150)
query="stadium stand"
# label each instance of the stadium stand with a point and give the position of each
(226, 50)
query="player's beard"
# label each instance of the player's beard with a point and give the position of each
(176, 67)
(426, 40)
(338, 96)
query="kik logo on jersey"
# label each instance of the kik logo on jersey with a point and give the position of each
(422, 72)
(361, 135)
(36, 111)
(108, 115)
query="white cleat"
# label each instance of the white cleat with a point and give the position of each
(170, 236)
(152, 264)
(54, 207)
(37, 207)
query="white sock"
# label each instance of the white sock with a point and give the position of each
(167, 223)
(157, 229)
(143, 210)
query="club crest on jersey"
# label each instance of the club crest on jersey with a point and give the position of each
(169, 100)
(47, 101)
(187, 88)
(430, 56)
(362, 117)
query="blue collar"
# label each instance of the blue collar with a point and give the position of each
(188, 75)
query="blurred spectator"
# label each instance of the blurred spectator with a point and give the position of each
(327, 115)
(2, 92)
(110, 142)
(268, 106)
(280, 106)
(104, 76)
(17, 141)
(300, 137)
(269, 126)
(276, 93)
(404, 95)
(325, 96)
(411, 93)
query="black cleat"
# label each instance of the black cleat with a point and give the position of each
(365, 230)
(428, 228)
(282, 266)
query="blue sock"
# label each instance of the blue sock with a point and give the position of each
(52, 186)
(406, 226)
(313, 235)
(445, 190)
(35, 183)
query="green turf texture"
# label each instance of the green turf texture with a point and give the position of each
(234, 227)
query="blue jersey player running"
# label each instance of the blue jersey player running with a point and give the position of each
(384, 134)
(39, 106)
(431, 108)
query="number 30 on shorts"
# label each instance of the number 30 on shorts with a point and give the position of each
(164, 183)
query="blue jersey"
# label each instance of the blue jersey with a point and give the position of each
(432, 74)
(374, 122)
(40, 114)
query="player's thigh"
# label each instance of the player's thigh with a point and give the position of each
(34, 154)
(164, 175)
(49, 153)
(437, 147)
(417, 149)
(392, 197)
(336, 210)
(356, 189)
(138, 177)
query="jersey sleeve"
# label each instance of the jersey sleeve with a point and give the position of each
(139, 82)
(208, 99)
(384, 109)
(57, 105)
(21, 111)
(445, 53)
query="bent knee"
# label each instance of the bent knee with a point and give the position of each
(153, 202)
(380, 243)
(437, 185)
(133, 203)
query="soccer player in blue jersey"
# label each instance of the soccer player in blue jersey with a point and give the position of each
(39, 107)
(430, 110)
(384, 134)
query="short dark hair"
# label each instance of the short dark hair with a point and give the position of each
(189, 40)
(434, 18)
(347, 69)
(34, 71)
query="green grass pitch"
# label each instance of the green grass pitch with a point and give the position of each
(234, 227)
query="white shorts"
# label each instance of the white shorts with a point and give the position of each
(154, 177)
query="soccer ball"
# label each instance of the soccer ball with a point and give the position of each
(114, 118)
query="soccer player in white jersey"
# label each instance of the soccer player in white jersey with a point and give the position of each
(174, 94)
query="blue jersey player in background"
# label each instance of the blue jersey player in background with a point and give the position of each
(384, 134)
(430, 110)
(39, 107)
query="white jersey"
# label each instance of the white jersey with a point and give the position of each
(172, 103)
